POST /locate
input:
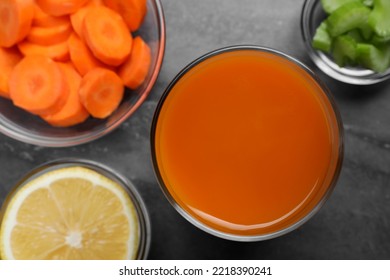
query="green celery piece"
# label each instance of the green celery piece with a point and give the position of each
(322, 40)
(344, 50)
(378, 40)
(379, 18)
(374, 58)
(366, 31)
(368, 3)
(332, 5)
(339, 58)
(356, 35)
(347, 17)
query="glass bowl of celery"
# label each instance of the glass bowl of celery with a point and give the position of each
(349, 40)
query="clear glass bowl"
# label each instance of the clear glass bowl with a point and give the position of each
(311, 17)
(142, 213)
(335, 124)
(28, 128)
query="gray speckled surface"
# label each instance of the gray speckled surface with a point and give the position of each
(354, 223)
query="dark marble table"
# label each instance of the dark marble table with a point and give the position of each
(354, 223)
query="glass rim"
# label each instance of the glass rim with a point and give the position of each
(139, 205)
(47, 141)
(188, 216)
(352, 76)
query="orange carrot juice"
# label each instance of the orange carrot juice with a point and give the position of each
(247, 143)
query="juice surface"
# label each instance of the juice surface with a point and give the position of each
(244, 142)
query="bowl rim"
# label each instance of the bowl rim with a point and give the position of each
(348, 75)
(16, 133)
(140, 206)
(235, 237)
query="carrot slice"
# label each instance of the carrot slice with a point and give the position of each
(134, 71)
(81, 56)
(58, 52)
(43, 19)
(73, 112)
(38, 85)
(15, 20)
(101, 92)
(50, 35)
(9, 57)
(106, 35)
(60, 7)
(132, 11)
(77, 18)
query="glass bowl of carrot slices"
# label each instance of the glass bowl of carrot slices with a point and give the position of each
(73, 72)
(348, 40)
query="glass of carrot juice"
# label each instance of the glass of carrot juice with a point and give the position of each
(247, 143)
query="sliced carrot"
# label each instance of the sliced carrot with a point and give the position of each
(9, 57)
(43, 19)
(38, 85)
(49, 35)
(77, 18)
(81, 56)
(60, 7)
(73, 112)
(15, 20)
(101, 92)
(132, 11)
(134, 71)
(58, 52)
(106, 35)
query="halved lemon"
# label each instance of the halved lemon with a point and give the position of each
(70, 213)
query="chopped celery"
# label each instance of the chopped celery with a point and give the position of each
(378, 40)
(375, 58)
(356, 33)
(368, 3)
(322, 40)
(331, 5)
(379, 18)
(366, 31)
(347, 17)
(344, 50)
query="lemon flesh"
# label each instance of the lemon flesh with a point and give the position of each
(70, 213)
